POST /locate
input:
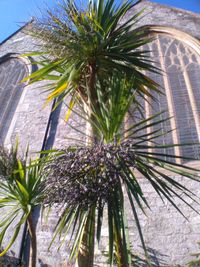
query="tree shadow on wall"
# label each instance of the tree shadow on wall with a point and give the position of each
(9, 260)
(63, 264)
(157, 259)
(42, 264)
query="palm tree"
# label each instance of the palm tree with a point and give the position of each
(21, 190)
(94, 57)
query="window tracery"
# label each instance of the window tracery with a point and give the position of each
(180, 83)
(12, 71)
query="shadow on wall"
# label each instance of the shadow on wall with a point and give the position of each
(9, 260)
(42, 264)
(64, 264)
(157, 259)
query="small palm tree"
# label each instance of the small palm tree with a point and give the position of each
(96, 58)
(21, 190)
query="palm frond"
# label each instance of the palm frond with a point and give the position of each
(21, 189)
(115, 165)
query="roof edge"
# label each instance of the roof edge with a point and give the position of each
(14, 33)
(176, 9)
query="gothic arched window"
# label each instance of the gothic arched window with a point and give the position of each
(180, 82)
(12, 71)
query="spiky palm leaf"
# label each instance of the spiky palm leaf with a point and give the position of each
(82, 47)
(94, 177)
(21, 190)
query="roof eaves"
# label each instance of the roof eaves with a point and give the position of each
(175, 9)
(13, 34)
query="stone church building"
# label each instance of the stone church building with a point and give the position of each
(171, 239)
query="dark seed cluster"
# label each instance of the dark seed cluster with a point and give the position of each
(87, 175)
(8, 162)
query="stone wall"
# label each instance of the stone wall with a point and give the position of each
(156, 14)
(169, 236)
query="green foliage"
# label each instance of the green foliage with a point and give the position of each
(21, 189)
(196, 261)
(78, 173)
(88, 46)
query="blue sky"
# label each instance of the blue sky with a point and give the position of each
(14, 12)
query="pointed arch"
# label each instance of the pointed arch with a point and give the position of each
(12, 70)
(178, 55)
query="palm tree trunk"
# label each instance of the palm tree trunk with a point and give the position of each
(121, 258)
(86, 252)
(32, 232)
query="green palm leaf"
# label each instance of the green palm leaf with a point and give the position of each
(21, 190)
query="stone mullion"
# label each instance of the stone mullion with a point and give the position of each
(169, 98)
(148, 113)
(191, 98)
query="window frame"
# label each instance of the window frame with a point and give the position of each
(29, 69)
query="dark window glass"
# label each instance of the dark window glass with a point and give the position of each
(181, 86)
(12, 71)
